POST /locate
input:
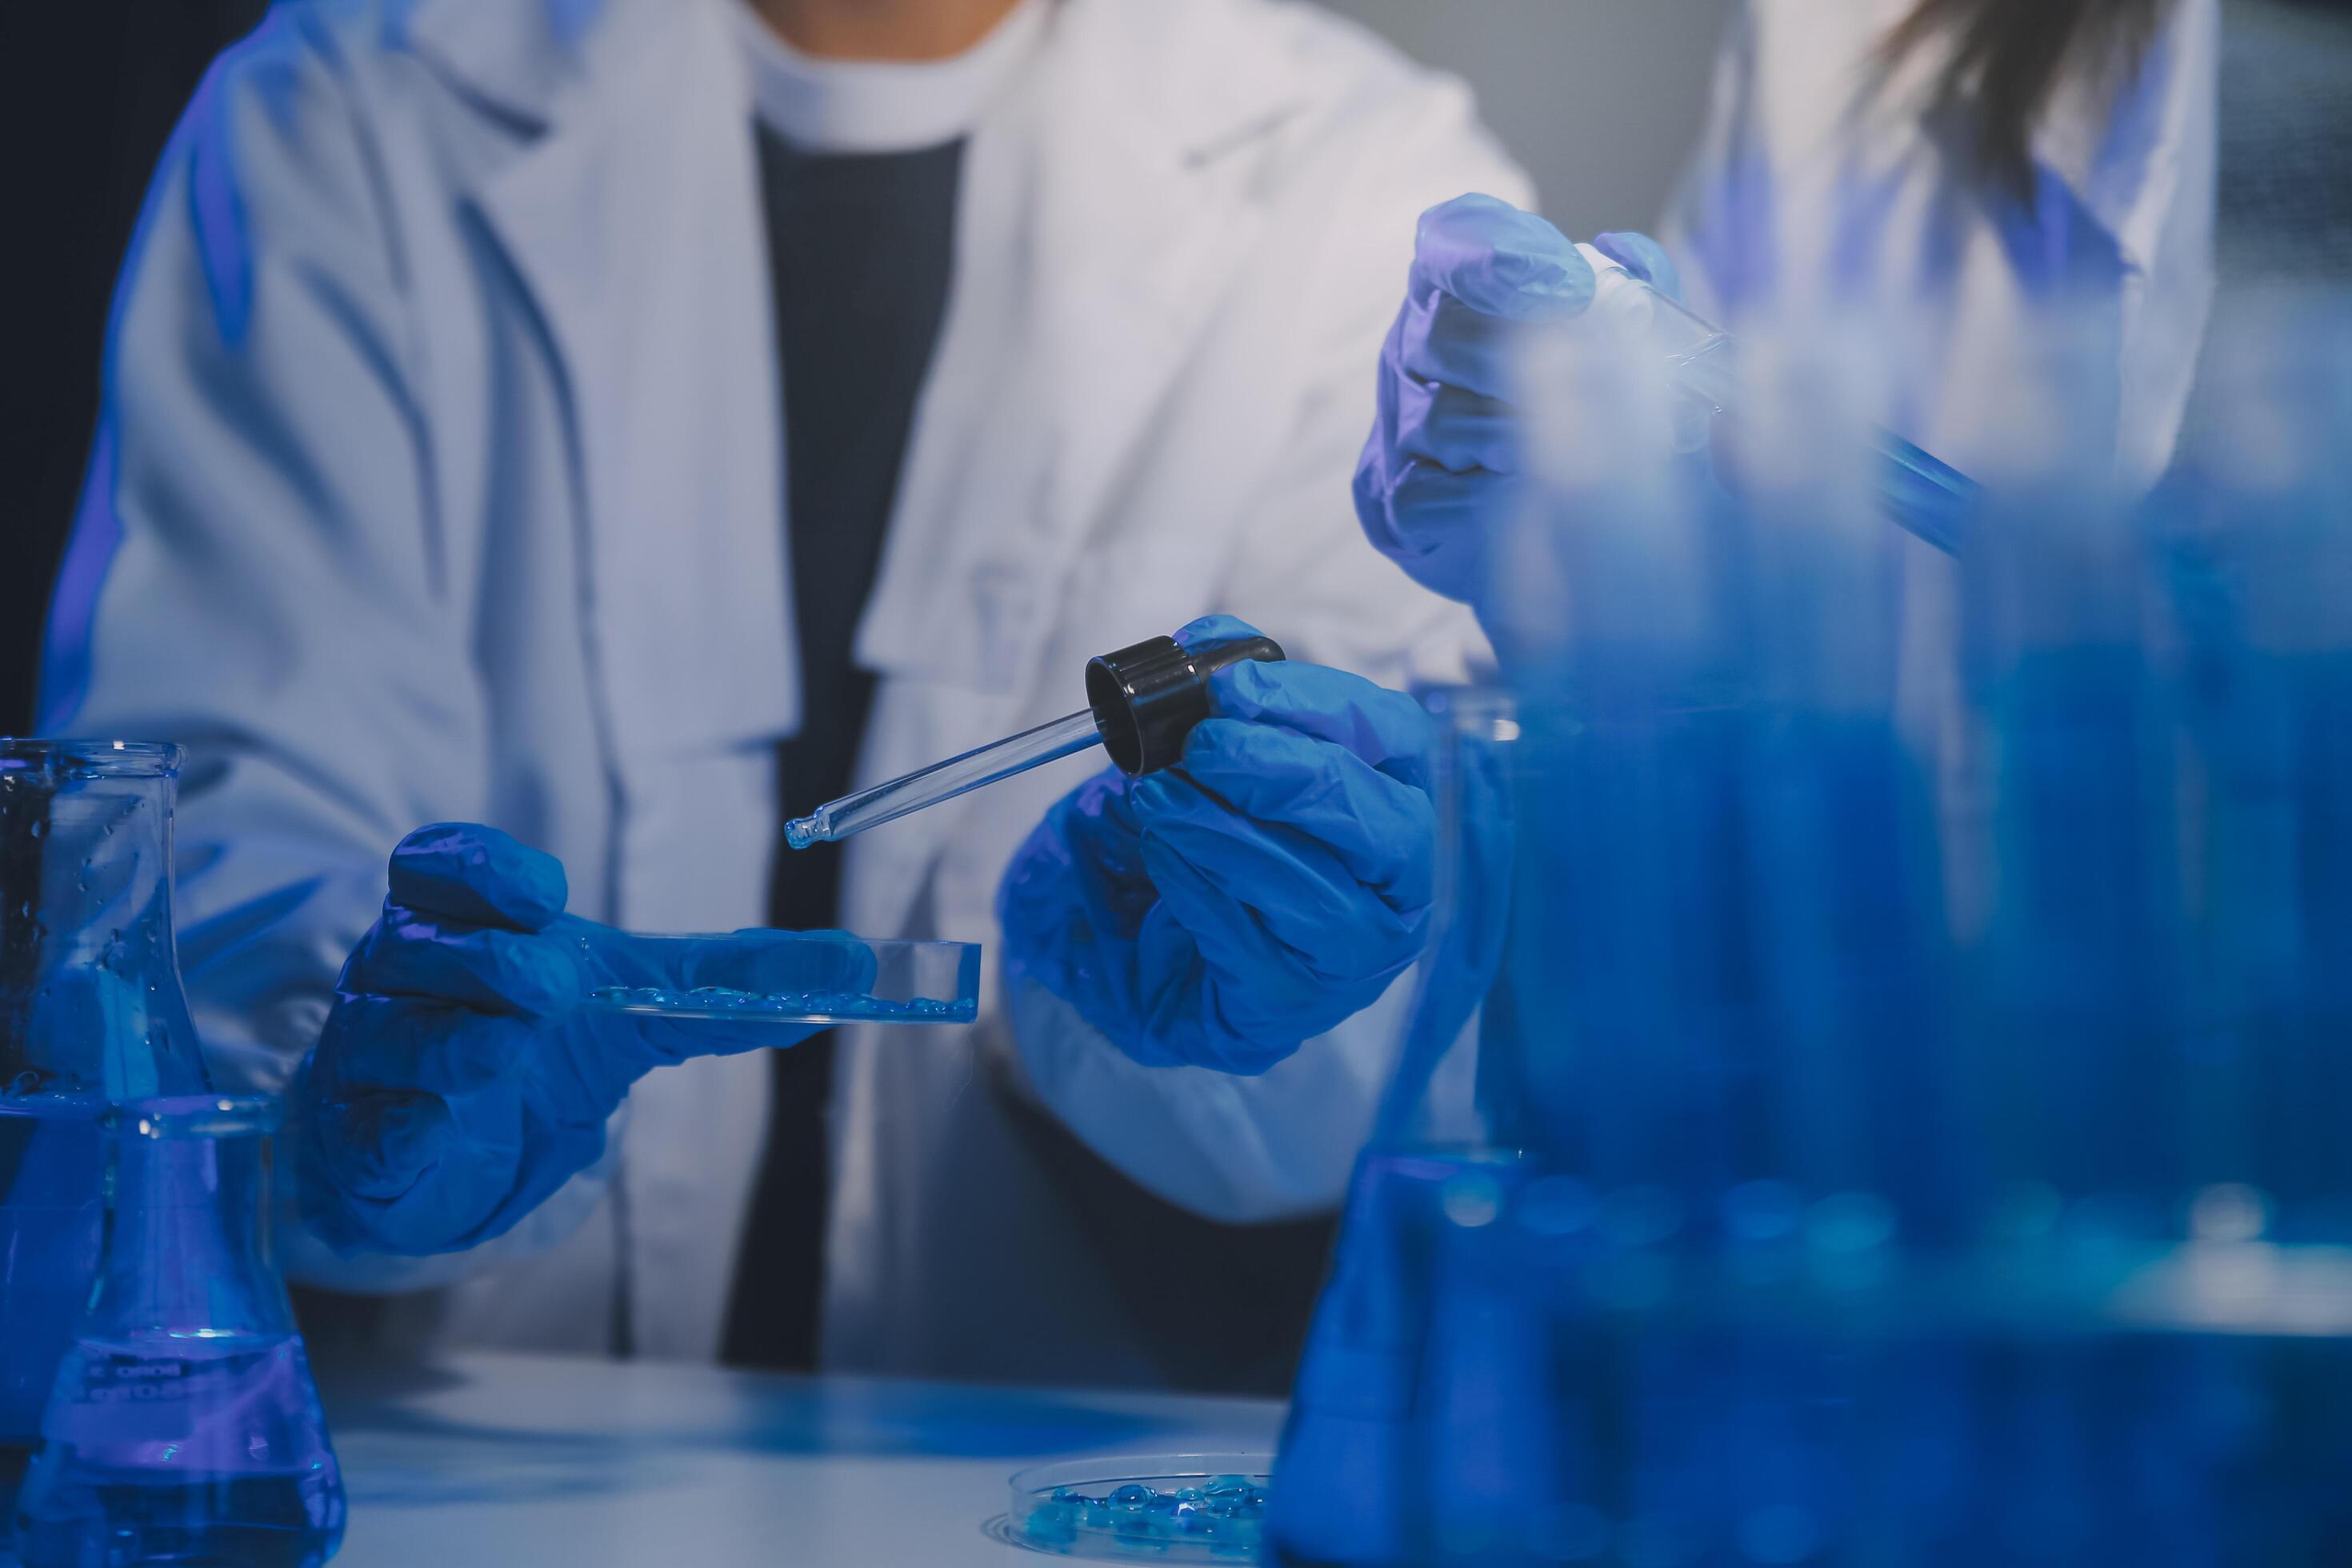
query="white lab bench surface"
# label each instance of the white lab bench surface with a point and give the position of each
(508, 1460)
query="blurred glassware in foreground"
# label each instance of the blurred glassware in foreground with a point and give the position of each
(91, 1013)
(173, 1400)
(184, 1425)
(1812, 1147)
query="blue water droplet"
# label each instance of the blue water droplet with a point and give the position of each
(1053, 1522)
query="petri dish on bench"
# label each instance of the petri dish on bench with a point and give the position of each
(1166, 1507)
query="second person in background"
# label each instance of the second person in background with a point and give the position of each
(1954, 169)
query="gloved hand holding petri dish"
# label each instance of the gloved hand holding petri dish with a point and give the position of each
(480, 1037)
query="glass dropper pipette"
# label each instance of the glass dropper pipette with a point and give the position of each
(837, 819)
(1162, 687)
(1141, 703)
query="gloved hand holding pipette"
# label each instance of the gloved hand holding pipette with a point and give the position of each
(1437, 477)
(1258, 894)
(463, 1074)
(1444, 450)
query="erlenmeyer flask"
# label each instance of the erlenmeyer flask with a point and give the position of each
(1578, 944)
(1344, 1489)
(184, 1426)
(90, 1013)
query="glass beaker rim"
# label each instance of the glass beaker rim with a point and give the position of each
(198, 1116)
(80, 759)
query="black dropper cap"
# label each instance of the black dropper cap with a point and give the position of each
(1145, 698)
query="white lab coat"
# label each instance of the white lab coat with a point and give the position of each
(440, 478)
(1813, 200)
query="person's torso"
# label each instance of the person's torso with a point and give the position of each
(1118, 368)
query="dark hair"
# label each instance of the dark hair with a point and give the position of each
(2007, 57)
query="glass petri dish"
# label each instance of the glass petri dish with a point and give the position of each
(1169, 1507)
(795, 978)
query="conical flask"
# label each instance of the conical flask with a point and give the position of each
(91, 1013)
(184, 1426)
(1423, 1416)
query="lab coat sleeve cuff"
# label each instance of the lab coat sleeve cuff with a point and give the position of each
(241, 1064)
(1237, 1149)
(308, 1260)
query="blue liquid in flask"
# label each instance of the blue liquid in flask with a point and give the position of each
(184, 1427)
(1542, 1371)
(52, 1157)
(171, 1449)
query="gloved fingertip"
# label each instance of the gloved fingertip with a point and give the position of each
(1317, 699)
(1645, 257)
(1546, 287)
(1212, 631)
(1243, 690)
(1154, 795)
(766, 960)
(1502, 261)
(1471, 206)
(463, 870)
(841, 960)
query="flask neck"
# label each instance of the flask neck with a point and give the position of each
(90, 1002)
(187, 1240)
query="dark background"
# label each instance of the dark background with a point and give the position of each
(89, 91)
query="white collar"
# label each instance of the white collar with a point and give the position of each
(878, 106)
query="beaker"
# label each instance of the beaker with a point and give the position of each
(91, 1013)
(184, 1427)
(1809, 1149)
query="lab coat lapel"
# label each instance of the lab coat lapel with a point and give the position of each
(633, 223)
(1097, 242)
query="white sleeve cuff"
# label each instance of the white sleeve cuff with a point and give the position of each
(1237, 1149)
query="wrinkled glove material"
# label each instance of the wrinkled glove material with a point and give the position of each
(1261, 892)
(1440, 468)
(459, 1081)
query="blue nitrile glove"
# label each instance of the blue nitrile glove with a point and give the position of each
(1436, 474)
(1261, 891)
(459, 1081)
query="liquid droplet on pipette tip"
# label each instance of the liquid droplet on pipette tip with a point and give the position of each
(800, 832)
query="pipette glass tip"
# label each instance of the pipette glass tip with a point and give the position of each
(837, 819)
